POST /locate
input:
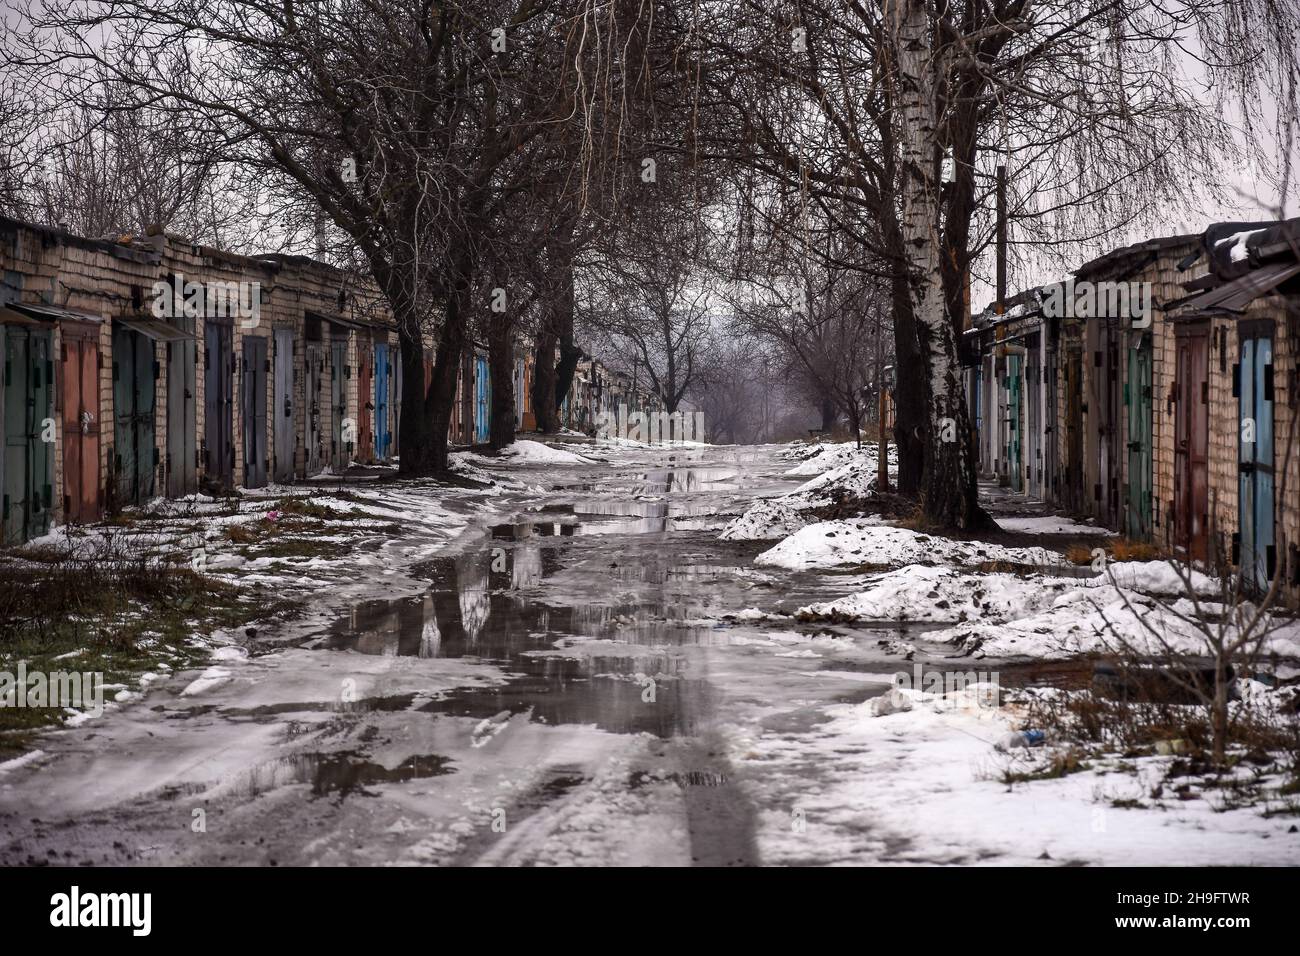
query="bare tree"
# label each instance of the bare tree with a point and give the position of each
(822, 313)
(860, 108)
(407, 124)
(650, 299)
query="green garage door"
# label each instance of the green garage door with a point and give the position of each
(135, 375)
(28, 421)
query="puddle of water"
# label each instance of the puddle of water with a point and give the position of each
(523, 530)
(691, 479)
(342, 773)
(646, 517)
(544, 581)
(555, 690)
(674, 479)
(486, 604)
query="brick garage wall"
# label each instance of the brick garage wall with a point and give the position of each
(289, 287)
(299, 286)
(1286, 425)
(107, 279)
(1163, 424)
(1224, 433)
(1166, 286)
(1069, 343)
(95, 277)
(1222, 416)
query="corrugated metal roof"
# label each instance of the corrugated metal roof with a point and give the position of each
(156, 329)
(1237, 295)
(1136, 249)
(52, 313)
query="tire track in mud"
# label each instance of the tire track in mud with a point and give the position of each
(719, 815)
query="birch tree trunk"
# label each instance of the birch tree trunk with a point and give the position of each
(949, 494)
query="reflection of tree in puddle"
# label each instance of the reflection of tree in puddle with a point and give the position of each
(525, 566)
(472, 591)
(381, 632)
(430, 634)
(642, 624)
(341, 772)
(657, 604)
(642, 517)
(683, 480)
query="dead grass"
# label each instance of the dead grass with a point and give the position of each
(1263, 765)
(304, 507)
(109, 609)
(1117, 549)
(248, 532)
(1059, 763)
(1123, 549)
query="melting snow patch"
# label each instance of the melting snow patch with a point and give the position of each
(1159, 577)
(1050, 524)
(209, 679)
(830, 457)
(770, 518)
(921, 593)
(528, 452)
(855, 541)
(21, 761)
(856, 478)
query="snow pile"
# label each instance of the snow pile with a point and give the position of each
(1158, 577)
(858, 541)
(1091, 619)
(527, 452)
(770, 518)
(839, 471)
(1050, 524)
(920, 593)
(855, 478)
(914, 778)
(826, 458)
(799, 450)
(832, 456)
(997, 614)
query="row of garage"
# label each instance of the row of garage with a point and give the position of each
(1173, 422)
(109, 400)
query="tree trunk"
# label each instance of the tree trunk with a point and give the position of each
(544, 381)
(828, 414)
(1219, 711)
(501, 361)
(439, 402)
(909, 385)
(414, 430)
(553, 379)
(949, 494)
(570, 354)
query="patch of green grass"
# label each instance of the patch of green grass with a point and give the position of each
(107, 614)
(304, 507)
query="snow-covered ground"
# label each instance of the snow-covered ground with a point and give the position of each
(833, 472)
(623, 654)
(859, 541)
(926, 784)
